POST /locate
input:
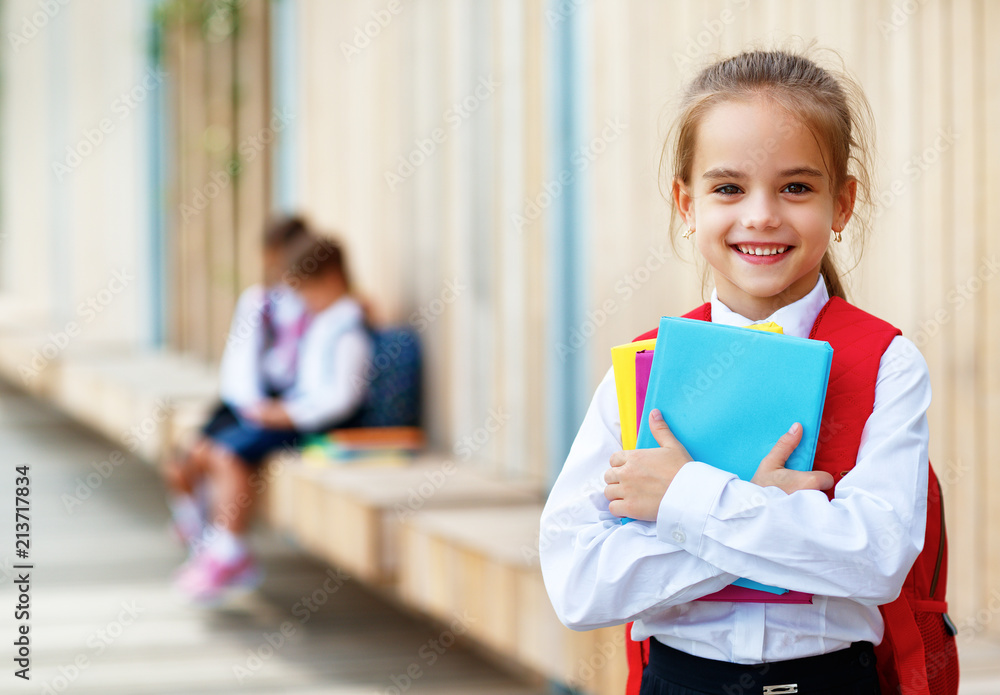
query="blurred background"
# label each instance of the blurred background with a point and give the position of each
(492, 168)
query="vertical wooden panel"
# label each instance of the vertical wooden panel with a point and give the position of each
(969, 542)
(534, 257)
(219, 186)
(192, 266)
(990, 27)
(253, 124)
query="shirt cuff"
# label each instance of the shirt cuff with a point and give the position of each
(687, 503)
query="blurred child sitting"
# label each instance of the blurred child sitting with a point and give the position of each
(332, 358)
(259, 361)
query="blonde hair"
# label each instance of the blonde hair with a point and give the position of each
(829, 102)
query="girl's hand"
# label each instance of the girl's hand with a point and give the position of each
(270, 414)
(638, 479)
(772, 471)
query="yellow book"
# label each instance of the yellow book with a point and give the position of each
(623, 364)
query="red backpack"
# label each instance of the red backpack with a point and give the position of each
(918, 654)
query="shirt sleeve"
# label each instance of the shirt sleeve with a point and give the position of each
(240, 368)
(331, 382)
(861, 544)
(597, 571)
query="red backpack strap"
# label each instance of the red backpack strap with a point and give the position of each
(858, 340)
(702, 313)
(637, 654)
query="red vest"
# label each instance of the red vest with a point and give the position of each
(917, 655)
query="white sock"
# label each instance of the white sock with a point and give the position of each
(226, 546)
(187, 515)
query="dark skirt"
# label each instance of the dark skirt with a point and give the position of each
(849, 671)
(252, 443)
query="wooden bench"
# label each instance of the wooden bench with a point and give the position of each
(350, 514)
(135, 399)
(485, 561)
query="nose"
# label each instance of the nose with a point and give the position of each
(761, 212)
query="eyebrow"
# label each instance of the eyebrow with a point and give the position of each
(732, 174)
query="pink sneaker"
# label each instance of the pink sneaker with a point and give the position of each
(205, 579)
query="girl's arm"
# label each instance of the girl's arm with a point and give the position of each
(859, 546)
(331, 382)
(240, 369)
(597, 571)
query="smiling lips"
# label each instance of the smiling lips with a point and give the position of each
(760, 253)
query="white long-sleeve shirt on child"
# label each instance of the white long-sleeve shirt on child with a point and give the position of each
(853, 553)
(331, 382)
(251, 369)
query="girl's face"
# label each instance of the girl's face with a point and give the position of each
(761, 204)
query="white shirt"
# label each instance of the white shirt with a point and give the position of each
(331, 381)
(853, 553)
(248, 371)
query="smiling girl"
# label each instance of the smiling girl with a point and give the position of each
(768, 161)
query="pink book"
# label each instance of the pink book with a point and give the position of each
(733, 592)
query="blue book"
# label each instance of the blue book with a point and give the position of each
(728, 394)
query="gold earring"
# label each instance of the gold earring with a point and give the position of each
(836, 235)
(689, 232)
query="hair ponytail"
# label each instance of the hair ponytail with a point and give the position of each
(834, 287)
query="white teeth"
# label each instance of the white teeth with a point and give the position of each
(760, 251)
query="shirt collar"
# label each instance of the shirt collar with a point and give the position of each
(795, 319)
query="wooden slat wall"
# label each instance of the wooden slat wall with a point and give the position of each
(438, 248)
(220, 113)
(931, 71)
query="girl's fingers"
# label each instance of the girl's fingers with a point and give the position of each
(821, 480)
(660, 430)
(611, 476)
(786, 444)
(613, 492)
(618, 458)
